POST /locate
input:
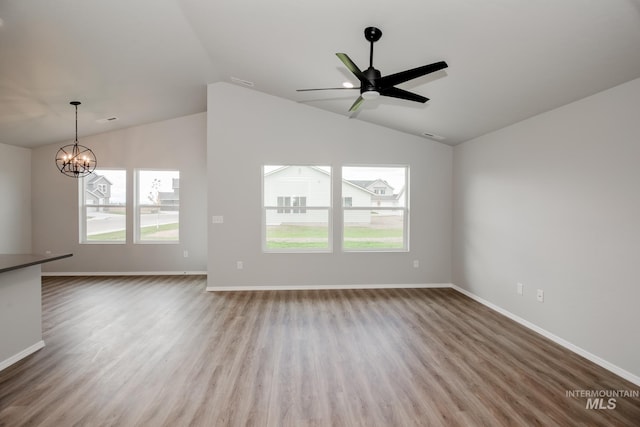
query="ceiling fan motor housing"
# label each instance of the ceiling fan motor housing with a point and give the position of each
(372, 75)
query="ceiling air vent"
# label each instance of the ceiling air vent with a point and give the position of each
(242, 82)
(433, 136)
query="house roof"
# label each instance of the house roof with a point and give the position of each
(282, 168)
(94, 178)
(344, 181)
(368, 183)
(361, 183)
(507, 60)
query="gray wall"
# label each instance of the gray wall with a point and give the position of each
(15, 199)
(553, 202)
(172, 144)
(20, 314)
(247, 129)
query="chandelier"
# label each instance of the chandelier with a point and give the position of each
(75, 160)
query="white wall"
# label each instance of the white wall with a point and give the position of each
(553, 202)
(20, 314)
(247, 129)
(172, 144)
(15, 199)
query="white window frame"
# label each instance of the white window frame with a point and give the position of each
(405, 209)
(137, 208)
(291, 208)
(82, 203)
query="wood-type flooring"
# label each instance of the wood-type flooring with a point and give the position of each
(161, 351)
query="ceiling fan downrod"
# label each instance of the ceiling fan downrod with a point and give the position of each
(372, 34)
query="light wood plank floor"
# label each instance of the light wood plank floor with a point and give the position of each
(160, 351)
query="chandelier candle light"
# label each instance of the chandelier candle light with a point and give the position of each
(75, 160)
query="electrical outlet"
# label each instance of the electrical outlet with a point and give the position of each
(416, 263)
(239, 265)
(217, 219)
(520, 288)
(540, 295)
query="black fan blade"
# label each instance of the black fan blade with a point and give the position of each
(394, 92)
(351, 66)
(356, 104)
(327, 88)
(403, 76)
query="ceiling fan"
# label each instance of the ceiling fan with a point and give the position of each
(373, 84)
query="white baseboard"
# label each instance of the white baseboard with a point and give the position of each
(19, 356)
(323, 287)
(124, 273)
(566, 344)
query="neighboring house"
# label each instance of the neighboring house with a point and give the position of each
(383, 193)
(170, 200)
(291, 189)
(97, 190)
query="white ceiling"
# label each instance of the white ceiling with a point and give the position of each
(149, 60)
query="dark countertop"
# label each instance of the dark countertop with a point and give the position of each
(10, 262)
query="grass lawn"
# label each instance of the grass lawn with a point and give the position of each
(323, 245)
(296, 231)
(371, 245)
(301, 232)
(371, 233)
(297, 245)
(147, 233)
(293, 237)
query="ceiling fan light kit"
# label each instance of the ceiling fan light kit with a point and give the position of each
(370, 94)
(373, 84)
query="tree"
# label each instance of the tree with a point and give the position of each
(154, 197)
(155, 192)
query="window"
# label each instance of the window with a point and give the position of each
(284, 202)
(296, 208)
(375, 208)
(103, 210)
(299, 202)
(157, 206)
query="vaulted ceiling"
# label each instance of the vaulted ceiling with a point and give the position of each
(147, 60)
